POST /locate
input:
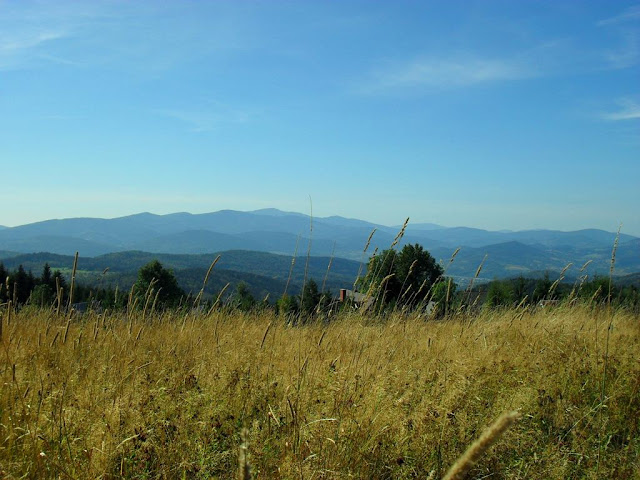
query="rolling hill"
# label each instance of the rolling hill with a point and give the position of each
(274, 231)
(263, 272)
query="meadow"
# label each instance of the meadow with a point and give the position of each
(180, 395)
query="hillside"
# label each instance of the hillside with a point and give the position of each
(631, 279)
(264, 273)
(514, 258)
(274, 231)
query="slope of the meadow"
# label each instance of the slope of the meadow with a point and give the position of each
(167, 397)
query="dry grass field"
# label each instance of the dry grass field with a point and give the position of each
(112, 396)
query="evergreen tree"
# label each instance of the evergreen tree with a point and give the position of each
(46, 278)
(405, 276)
(154, 279)
(243, 299)
(597, 290)
(58, 279)
(443, 294)
(3, 281)
(543, 289)
(499, 294)
(20, 284)
(31, 281)
(310, 297)
(287, 305)
(519, 289)
(42, 295)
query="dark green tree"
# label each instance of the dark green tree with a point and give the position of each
(519, 289)
(597, 290)
(20, 285)
(402, 277)
(326, 299)
(58, 279)
(3, 281)
(443, 294)
(310, 297)
(154, 279)
(32, 281)
(42, 295)
(287, 305)
(630, 297)
(543, 289)
(46, 278)
(243, 299)
(499, 294)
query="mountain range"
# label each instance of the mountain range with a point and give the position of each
(508, 253)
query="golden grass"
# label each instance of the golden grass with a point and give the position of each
(359, 397)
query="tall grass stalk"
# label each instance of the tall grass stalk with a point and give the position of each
(560, 278)
(306, 263)
(475, 277)
(397, 238)
(73, 279)
(476, 450)
(293, 263)
(577, 286)
(219, 298)
(326, 275)
(196, 302)
(364, 252)
(606, 348)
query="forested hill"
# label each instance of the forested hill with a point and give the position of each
(263, 272)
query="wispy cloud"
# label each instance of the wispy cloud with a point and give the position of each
(627, 53)
(206, 119)
(629, 15)
(629, 110)
(555, 57)
(18, 48)
(441, 73)
(25, 41)
(144, 38)
(31, 33)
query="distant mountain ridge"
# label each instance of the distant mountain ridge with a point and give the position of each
(274, 231)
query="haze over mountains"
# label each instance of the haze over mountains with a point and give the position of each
(270, 230)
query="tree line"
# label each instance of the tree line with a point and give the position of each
(407, 279)
(526, 291)
(156, 287)
(20, 286)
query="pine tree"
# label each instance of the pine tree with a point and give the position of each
(46, 278)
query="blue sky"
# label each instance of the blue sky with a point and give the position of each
(491, 114)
